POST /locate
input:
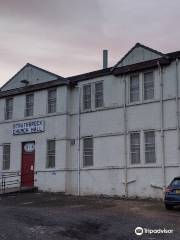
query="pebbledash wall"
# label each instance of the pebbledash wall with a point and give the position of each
(110, 126)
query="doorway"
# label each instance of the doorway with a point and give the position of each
(27, 167)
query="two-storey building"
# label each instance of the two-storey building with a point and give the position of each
(114, 131)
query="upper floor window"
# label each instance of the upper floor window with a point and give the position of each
(51, 153)
(6, 156)
(148, 85)
(87, 151)
(134, 88)
(52, 100)
(93, 96)
(9, 109)
(29, 107)
(149, 139)
(87, 97)
(135, 147)
(98, 94)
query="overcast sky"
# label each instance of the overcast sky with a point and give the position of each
(67, 36)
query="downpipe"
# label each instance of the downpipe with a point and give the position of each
(177, 109)
(162, 125)
(79, 140)
(125, 143)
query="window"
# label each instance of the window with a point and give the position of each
(98, 94)
(9, 109)
(148, 85)
(87, 97)
(135, 147)
(29, 105)
(52, 101)
(149, 147)
(51, 153)
(88, 151)
(6, 156)
(134, 88)
(175, 182)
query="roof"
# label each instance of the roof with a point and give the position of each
(140, 66)
(90, 75)
(165, 59)
(173, 55)
(35, 87)
(139, 45)
(31, 65)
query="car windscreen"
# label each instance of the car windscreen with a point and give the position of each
(175, 183)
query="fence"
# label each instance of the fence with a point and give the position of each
(10, 181)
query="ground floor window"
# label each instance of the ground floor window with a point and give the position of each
(135, 147)
(51, 153)
(149, 139)
(87, 151)
(6, 156)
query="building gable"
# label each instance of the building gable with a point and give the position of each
(29, 75)
(139, 53)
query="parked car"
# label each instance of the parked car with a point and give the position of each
(172, 194)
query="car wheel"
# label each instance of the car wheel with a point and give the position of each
(169, 207)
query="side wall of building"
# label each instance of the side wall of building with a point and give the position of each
(107, 126)
(112, 172)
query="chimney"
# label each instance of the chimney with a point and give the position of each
(105, 58)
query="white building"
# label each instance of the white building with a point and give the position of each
(113, 131)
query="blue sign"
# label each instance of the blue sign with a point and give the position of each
(21, 128)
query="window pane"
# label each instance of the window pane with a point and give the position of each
(87, 97)
(88, 151)
(9, 108)
(51, 153)
(6, 156)
(150, 147)
(98, 94)
(135, 147)
(29, 105)
(52, 101)
(148, 85)
(134, 88)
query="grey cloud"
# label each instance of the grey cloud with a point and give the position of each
(67, 36)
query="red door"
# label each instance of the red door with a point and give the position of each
(27, 169)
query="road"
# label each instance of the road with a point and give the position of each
(50, 216)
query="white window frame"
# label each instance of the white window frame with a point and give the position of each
(146, 72)
(129, 87)
(145, 160)
(83, 97)
(7, 111)
(130, 152)
(48, 100)
(93, 96)
(92, 151)
(48, 154)
(102, 96)
(31, 104)
(4, 168)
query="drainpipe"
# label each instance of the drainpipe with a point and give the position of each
(177, 108)
(162, 126)
(79, 140)
(125, 142)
